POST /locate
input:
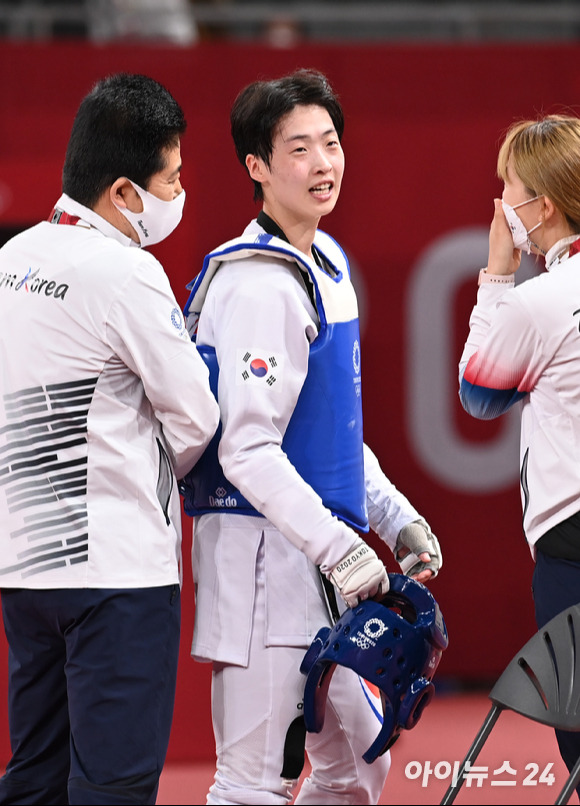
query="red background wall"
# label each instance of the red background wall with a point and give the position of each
(422, 130)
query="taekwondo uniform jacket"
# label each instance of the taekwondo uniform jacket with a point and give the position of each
(252, 308)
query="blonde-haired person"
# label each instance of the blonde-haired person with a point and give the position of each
(523, 349)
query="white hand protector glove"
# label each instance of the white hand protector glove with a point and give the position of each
(360, 575)
(414, 539)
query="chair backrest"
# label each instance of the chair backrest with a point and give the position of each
(542, 681)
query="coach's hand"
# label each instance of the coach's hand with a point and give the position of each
(360, 575)
(418, 552)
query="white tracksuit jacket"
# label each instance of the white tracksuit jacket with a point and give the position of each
(524, 345)
(104, 399)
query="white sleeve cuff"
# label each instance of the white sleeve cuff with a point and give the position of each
(503, 279)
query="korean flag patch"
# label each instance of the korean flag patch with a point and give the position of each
(258, 368)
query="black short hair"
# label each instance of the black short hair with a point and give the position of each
(261, 105)
(122, 128)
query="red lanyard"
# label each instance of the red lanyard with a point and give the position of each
(60, 217)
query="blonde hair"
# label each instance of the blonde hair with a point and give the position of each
(545, 155)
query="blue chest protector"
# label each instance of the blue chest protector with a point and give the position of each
(324, 438)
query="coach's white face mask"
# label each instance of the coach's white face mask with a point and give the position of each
(520, 235)
(158, 218)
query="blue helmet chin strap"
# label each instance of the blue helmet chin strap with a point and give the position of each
(395, 643)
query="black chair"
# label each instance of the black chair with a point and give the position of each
(542, 682)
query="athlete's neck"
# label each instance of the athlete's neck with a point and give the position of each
(298, 233)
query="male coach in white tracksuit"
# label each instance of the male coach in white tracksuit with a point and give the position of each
(105, 401)
(276, 317)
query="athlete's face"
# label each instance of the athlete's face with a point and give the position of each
(303, 180)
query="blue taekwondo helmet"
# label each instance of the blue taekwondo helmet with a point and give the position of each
(395, 643)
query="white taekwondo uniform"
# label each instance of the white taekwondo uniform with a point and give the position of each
(259, 597)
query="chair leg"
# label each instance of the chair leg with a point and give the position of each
(570, 784)
(473, 752)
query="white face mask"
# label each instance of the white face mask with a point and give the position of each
(520, 235)
(158, 218)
